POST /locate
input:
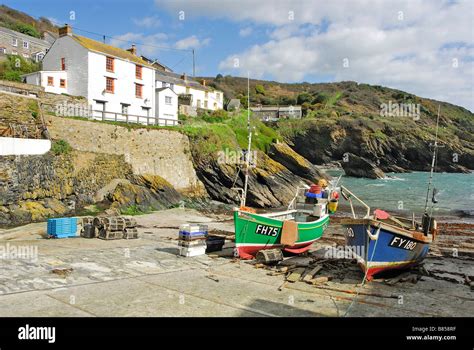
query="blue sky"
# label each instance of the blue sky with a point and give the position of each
(424, 47)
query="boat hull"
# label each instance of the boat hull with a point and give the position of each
(394, 249)
(255, 232)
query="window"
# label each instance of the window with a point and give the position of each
(205, 104)
(3, 50)
(109, 64)
(198, 103)
(124, 108)
(63, 63)
(15, 42)
(168, 100)
(62, 83)
(109, 85)
(50, 81)
(25, 44)
(138, 71)
(139, 90)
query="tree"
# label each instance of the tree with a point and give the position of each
(219, 77)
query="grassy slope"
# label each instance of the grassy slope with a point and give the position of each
(350, 103)
(20, 21)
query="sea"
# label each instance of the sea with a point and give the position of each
(406, 192)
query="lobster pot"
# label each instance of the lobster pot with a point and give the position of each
(130, 222)
(110, 235)
(87, 220)
(130, 233)
(89, 231)
(269, 256)
(98, 222)
(114, 223)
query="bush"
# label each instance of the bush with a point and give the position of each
(259, 89)
(14, 66)
(61, 147)
(27, 29)
(304, 98)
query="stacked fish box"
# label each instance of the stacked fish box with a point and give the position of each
(192, 240)
(116, 227)
(62, 227)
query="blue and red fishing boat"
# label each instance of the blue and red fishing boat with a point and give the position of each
(381, 242)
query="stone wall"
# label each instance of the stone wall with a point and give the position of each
(165, 153)
(33, 188)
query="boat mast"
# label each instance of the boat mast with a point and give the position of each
(247, 158)
(433, 160)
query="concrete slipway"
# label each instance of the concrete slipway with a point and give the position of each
(145, 277)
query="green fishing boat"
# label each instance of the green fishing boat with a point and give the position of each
(293, 230)
(254, 232)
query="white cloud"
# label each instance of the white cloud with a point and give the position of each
(245, 31)
(191, 42)
(147, 22)
(147, 45)
(406, 44)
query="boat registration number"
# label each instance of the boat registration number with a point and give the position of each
(266, 230)
(402, 243)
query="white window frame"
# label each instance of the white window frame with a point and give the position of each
(27, 45)
(168, 100)
(15, 42)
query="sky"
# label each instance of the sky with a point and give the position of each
(425, 47)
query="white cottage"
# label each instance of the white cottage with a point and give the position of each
(118, 84)
(202, 96)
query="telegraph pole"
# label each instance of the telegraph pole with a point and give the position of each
(194, 65)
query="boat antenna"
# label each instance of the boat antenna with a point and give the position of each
(433, 161)
(248, 154)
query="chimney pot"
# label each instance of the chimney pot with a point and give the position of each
(133, 50)
(66, 30)
(204, 82)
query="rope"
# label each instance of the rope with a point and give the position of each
(363, 280)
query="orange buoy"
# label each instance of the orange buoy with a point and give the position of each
(248, 210)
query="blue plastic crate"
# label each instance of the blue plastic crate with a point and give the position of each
(62, 227)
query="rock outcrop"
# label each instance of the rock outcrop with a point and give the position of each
(361, 167)
(271, 184)
(393, 150)
(144, 193)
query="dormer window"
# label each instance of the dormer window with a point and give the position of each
(138, 71)
(109, 64)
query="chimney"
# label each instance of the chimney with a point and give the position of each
(133, 50)
(203, 82)
(184, 77)
(66, 30)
